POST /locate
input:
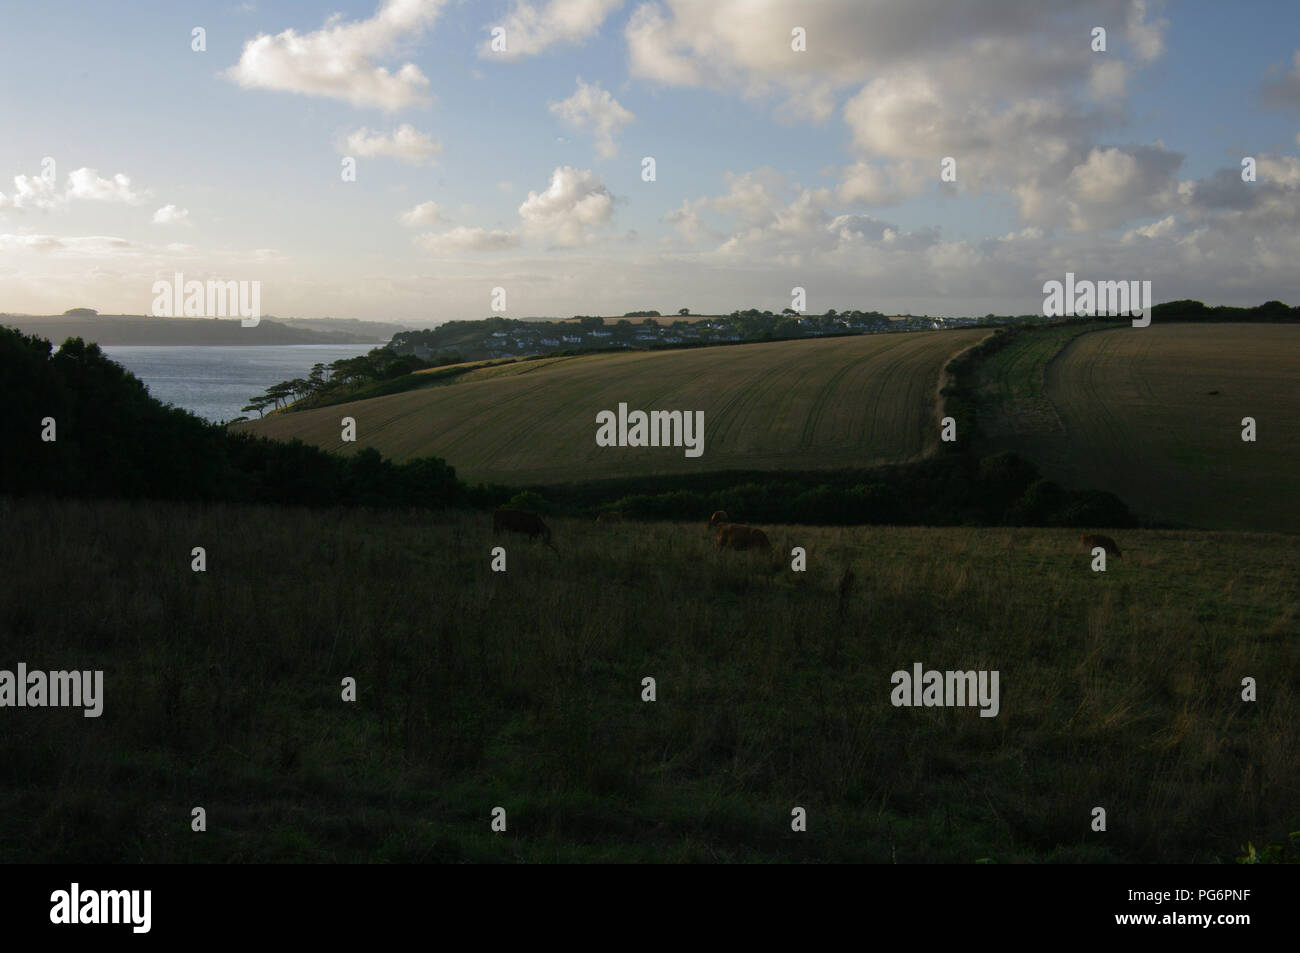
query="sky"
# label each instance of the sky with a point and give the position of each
(794, 145)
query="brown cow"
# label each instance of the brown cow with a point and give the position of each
(521, 521)
(718, 518)
(735, 536)
(609, 518)
(1093, 540)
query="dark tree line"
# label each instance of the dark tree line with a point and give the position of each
(950, 490)
(113, 440)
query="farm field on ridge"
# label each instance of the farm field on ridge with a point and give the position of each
(1132, 411)
(820, 403)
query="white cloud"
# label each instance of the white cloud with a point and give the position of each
(575, 201)
(532, 27)
(1010, 47)
(1285, 93)
(1108, 79)
(686, 219)
(1114, 184)
(171, 215)
(83, 184)
(595, 109)
(1259, 212)
(32, 191)
(873, 183)
(1010, 89)
(87, 246)
(1164, 228)
(858, 228)
(651, 53)
(1279, 170)
(405, 143)
(766, 216)
(426, 213)
(1148, 39)
(337, 61)
(745, 45)
(564, 215)
(86, 184)
(463, 239)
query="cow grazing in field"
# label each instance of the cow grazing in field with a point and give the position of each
(521, 521)
(735, 536)
(609, 518)
(717, 519)
(1092, 540)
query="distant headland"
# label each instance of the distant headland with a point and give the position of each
(144, 330)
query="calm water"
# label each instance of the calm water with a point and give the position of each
(214, 382)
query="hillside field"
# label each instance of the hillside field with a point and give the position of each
(807, 404)
(523, 690)
(1154, 415)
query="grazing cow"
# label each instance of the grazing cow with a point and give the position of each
(735, 536)
(1092, 540)
(609, 518)
(717, 519)
(521, 521)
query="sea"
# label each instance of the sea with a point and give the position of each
(215, 382)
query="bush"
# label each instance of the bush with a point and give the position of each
(1040, 506)
(1088, 508)
(1004, 478)
(528, 500)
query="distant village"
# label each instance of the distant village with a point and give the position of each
(643, 330)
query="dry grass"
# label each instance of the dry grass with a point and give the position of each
(523, 690)
(838, 402)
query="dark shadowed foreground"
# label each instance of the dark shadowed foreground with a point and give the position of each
(523, 690)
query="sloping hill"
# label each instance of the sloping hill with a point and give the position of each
(821, 403)
(1154, 416)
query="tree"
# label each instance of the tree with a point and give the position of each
(279, 393)
(789, 311)
(258, 404)
(683, 311)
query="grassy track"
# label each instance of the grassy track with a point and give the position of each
(841, 402)
(522, 689)
(1130, 410)
(1014, 401)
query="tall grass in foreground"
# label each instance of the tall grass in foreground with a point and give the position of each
(522, 690)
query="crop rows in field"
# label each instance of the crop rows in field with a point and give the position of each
(1154, 415)
(1141, 420)
(823, 403)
